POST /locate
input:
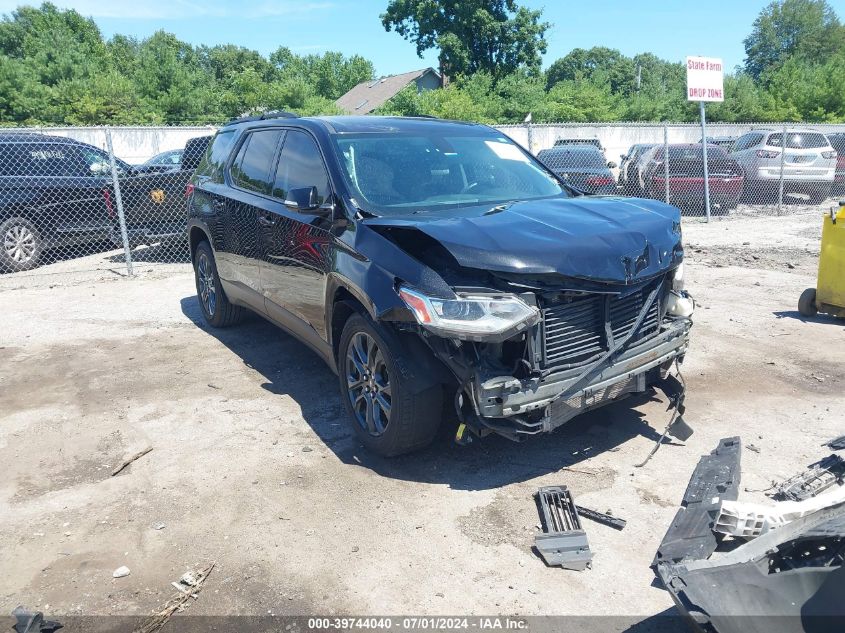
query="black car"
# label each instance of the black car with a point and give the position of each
(581, 166)
(161, 217)
(58, 192)
(437, 267)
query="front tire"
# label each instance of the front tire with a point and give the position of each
(214, 304)
(392, 410)
(21, 246)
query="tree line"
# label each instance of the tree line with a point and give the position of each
(56, 68)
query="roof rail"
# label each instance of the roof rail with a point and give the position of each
(275, 114)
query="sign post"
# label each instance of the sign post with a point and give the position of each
(705, 82)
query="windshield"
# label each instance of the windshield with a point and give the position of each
(397, 173)
(694, 152)
(586, 159)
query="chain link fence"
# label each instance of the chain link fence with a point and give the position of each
(761, 169)
(79, 202)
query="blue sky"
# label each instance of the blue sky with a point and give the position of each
(672, 29)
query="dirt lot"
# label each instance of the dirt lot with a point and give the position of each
(253, 465)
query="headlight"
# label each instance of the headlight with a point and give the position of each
(469, 315)
(678, 278)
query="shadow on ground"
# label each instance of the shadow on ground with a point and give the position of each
(290, 368)
(820, 318)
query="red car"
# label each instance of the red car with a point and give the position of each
(686, 177)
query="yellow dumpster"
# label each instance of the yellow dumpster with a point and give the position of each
(829, 294)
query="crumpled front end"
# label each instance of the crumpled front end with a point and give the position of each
(590, 344)
(546, 308)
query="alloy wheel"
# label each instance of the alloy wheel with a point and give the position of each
(205, 281)
(19, 243)
(368, 384)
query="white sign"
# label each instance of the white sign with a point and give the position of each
(705, 79)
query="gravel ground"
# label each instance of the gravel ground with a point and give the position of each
(253, 465)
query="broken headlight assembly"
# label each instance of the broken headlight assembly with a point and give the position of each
(678, 302)
(471, 316)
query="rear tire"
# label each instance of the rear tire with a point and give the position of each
(807, 303)
(391, 409)
(214, 304)
(21, 245)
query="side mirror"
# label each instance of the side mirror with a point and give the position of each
(611, 164)
(302, 199)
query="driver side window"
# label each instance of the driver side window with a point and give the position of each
(300, 166)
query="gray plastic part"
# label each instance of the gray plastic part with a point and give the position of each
(817, 478)
(563, 542)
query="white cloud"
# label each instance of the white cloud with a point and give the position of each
(178, 9)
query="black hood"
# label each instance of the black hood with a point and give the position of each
(617, 240)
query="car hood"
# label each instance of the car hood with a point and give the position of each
(608, 239)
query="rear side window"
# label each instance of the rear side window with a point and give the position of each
(214, 161)
(300, 166)
(799, 140)
(252, 167)
(36, 159)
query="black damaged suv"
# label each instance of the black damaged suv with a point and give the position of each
(440, 271)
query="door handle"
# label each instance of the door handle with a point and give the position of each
(266, 220)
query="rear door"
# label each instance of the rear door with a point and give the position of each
(297, 246)
(247, 197)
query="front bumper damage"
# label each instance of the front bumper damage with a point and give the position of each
(501, 397)
(788, 579)
(538, 398)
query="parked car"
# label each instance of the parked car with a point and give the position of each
(686, 176)
(58, 192)
(629, 174)
(808, 166)
(162, 218)
(581, 166)
(165, 161)
(837, 142)
(434, 263)
(580, 141)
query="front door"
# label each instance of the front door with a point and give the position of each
(296, 246)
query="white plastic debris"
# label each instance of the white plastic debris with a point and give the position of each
(120, 572)
(750, 520)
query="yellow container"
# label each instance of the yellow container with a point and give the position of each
(829, 294)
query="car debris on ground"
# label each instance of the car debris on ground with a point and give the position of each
(816, 479)
(601, 517)
(27, 621)
(789, 577)
(563, 541)
(836, 444)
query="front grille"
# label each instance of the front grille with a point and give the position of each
(574, 331)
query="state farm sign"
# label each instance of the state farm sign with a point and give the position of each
(705, 79)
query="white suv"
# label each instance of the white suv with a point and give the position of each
(808, 166)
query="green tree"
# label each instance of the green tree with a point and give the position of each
(497, 36)
(598, 63)
(786, 28)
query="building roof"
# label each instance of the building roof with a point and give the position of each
(369, 95)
